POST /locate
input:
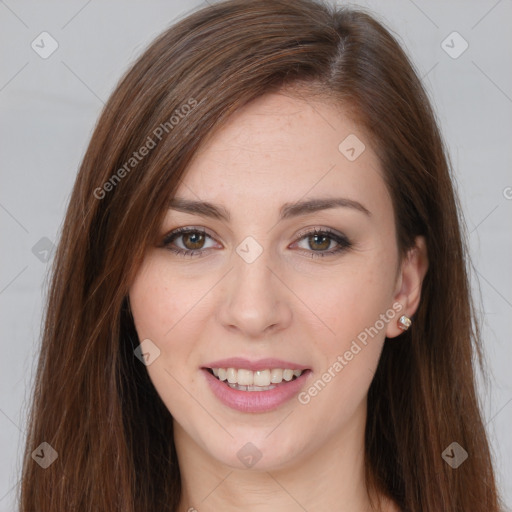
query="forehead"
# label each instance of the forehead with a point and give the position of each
(281, 148)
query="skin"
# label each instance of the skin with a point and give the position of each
(278, 149)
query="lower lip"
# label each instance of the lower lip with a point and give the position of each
(255, 401)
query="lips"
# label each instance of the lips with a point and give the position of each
(255, 386)
(260, 364)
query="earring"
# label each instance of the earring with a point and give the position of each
(404, 322)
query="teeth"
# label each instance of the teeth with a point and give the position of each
(261, 378)
(276, 375)
(232, 375)
(241, 378)
(250, 388)
(287, 375)
(245, 378)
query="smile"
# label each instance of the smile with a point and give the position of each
(259, 380)
(255, 386)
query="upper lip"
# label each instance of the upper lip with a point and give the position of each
(260, 364)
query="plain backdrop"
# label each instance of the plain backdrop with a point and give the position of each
(49, 107)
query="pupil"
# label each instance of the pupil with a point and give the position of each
(195, 240)
(324, 245)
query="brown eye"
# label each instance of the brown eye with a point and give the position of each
(319, 242)
(188, 241)
(193, 240)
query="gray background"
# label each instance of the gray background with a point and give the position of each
(49, 108)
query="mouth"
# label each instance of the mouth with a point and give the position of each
(255, 386)
(242, 379)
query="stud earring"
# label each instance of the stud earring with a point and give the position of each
(404, 322)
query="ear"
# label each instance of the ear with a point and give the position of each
(408, 284)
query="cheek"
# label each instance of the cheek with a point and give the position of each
(169, 310)
(161, 300)
(355, 304)
(351, 297)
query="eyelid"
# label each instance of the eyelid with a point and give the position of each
(174, 233)
(311, 230)
(340, 238)
(342, 241)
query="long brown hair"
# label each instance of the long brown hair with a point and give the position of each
(93, 401)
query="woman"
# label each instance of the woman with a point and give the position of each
(259, 299)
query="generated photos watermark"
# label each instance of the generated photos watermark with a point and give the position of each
(344, 359)
(151, 142)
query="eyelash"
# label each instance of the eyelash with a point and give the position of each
(343, 242)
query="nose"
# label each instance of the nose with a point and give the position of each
(254, 302)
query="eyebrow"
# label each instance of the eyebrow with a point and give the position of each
(287, 211)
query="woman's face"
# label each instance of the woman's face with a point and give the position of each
(294, 267)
